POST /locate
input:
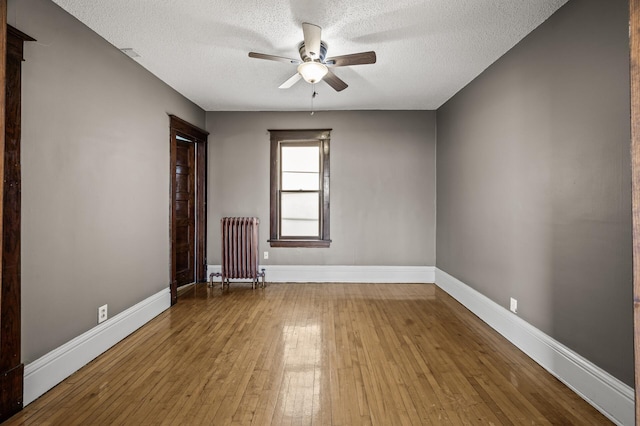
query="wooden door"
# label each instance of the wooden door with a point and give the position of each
(188, 204)
(185, 212)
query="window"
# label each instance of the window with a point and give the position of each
(300, 188)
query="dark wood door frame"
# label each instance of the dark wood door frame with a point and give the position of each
(5, 393)
(634, 60)
(199, 137)
(11, 367)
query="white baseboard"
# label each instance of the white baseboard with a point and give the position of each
(344, 273)
(49, 370)
(607, 394)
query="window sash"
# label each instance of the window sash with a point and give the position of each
(283, 145)
(281, 181)
(318, 218)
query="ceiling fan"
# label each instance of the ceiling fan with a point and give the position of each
(313, 65)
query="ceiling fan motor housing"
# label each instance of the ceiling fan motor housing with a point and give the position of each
(321, 55)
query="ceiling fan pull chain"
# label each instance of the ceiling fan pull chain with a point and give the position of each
(313, 95)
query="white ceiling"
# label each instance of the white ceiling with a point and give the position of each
(427, 49)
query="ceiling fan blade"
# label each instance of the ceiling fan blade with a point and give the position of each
(332, 80)
(291, 81)
(312, 34)
(352, 59)
(274, 58)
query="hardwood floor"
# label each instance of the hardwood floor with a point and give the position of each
(299, 354)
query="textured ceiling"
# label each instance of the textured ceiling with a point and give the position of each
(427, 50)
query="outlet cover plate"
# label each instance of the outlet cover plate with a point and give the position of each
(102, 313)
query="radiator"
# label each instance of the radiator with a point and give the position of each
(239, 251)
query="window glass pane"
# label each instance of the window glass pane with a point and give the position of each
(300, 167)
(294, 181)
(299, 214)
(300, 158)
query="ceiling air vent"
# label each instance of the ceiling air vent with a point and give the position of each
(130, 52)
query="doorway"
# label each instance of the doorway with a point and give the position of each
(188, 204)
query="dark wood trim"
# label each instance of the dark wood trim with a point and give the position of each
(273, 190)
(11, 383)
(300, 243)
(634, 59)
(173, 284)
(188, 129)
(11, 367)
(180, 127)
(7, 316)
(3, 82)
(326, 211)
(19, 35)
(301, 134)
(323, 136)
(201, 214)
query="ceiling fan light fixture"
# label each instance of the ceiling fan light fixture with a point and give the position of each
(312, 72)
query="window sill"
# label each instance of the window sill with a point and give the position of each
(300, 243)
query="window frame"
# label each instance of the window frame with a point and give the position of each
(297, 137)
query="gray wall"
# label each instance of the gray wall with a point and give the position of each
(95, 170)
(534, 182)
(382, 183)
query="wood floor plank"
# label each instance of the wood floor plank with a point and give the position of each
(312, 354)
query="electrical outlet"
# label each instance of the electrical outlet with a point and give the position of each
(514, 306)
(266, 254)
(102, 313)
